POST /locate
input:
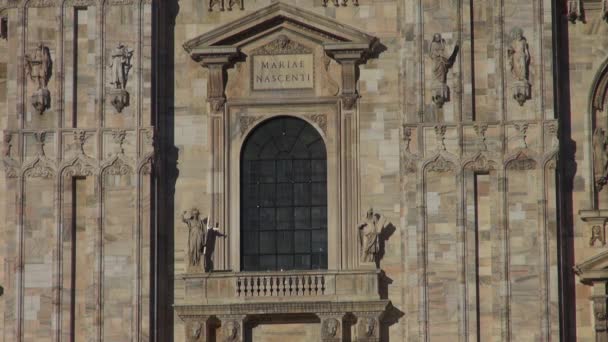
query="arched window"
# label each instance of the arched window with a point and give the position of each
(284, 197)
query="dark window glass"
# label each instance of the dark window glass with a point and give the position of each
(284, 197)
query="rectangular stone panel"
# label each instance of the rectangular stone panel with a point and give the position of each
(283, 72)
(442, 252)
(523, 254)
(118, 257)
(39, 252)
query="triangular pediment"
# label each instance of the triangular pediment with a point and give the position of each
(593, 269)
(279, 16)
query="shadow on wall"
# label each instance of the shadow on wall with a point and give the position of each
(163, 78)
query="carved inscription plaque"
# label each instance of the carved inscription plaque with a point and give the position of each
(283, 72)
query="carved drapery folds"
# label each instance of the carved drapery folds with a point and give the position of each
(39, 68)
(518, 55)
(442, 63)
(120, 65)
(218, 49)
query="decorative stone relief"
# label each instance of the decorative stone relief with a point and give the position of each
(338, 3)
(196, 331)
(600, 158)
(521, 162)
(39, 67)
(231, 331)
(223, 5)
(81, 164)
(369, 236)
(440, 137)
(320, 120)
(331, 328)
(245, 121)
(368, 329)
(553, 131)
(441, 66)
(598, 236)
(11, 166)
(522, 134)
(120, 65)
(481, 164)
(40, 138)
(519, 64)
(575, 11)
(41, 168)
(118, 137)
(409, 159)
(282, 45)
(440, 164)
(480, 130)
(118, 167)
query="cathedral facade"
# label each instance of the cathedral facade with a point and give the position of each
(303, 170)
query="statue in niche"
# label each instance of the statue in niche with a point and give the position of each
(597, 235)
(575, 10)
(196, 235)
(369, 236)
(39, 67)
(519, 64)
(441, 66)
(211, 235)
(600, 158)
(120, 66)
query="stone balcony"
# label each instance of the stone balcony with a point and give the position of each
(293, 286)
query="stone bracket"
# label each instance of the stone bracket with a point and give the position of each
(349, 56)
(216, 60)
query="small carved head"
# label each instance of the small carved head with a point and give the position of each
(283, 41)
(370, 213)
(517, 33)
(194, 213)
(331, 327)
(231, 330)
(437, 37)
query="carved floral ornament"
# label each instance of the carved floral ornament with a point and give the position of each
(347, 46)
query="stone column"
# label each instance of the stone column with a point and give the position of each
(196, 329)
(232, 328)
(332, 327)
(368, 326)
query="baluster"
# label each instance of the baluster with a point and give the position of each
(290, 285)
(297, 285)
(257, 285)
(252, 285)
(271, 286)
(283, 280)
(264, 282)
(238, 287)
(322, 285)
(316, 284)
(309, 288)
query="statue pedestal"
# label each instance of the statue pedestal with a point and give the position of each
(522, 91)
(367, 265)
(41, 100)
(119, 98)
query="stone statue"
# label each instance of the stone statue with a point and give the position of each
(367, 327)
(39, 67)
(597, 235)
(605, 10)
(600, 158)
(121, 64)
(210, 237)
(575, 10)
(441, 65)
(196, 235)
(6, 146)
(519, 63)
(369, 231)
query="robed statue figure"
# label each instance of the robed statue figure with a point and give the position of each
(369, 235)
